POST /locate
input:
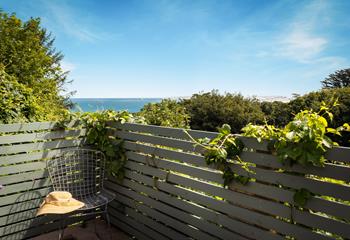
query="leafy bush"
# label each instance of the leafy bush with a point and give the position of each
(341, 113)
(167, 113)
(276, 113)
(210, 110)
(303, 140)
(17, 102)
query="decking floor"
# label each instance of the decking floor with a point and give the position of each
(87, 233)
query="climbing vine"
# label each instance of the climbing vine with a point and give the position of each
(222, 152)
(98, 137)
(302, 141)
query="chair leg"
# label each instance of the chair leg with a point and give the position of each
(61, 231)
(108, 220)
(95, 228)
(107, 217)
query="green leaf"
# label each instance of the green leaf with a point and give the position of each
(225, 129)
(301, 197)
(334, 131)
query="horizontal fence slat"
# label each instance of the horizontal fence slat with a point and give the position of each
(335, 154)
(341, 154)
(141, 218)
(32, 156)
(254, 217)
(27, 205)
(173, 212)
(297, 182)
(266, 206)
(174, 166)
(190, 208)
(37, 226)
(30, 137)
(330, 170)
(23, 167)
(275, 193)
(34, 126)
(21, 177)
(179, 133)
(162, 131)
(332, 208)
(339, 172)
(25, 196)
(127, 228)
(145, 219)
(28, 147)
(204, 212)
(174, 143)
(197, 210)
(189, 158)
(160, 217)
(25, 186)
(20, 216)
(52, 226)
(139, 226)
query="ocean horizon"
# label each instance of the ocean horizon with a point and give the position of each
(99, 104)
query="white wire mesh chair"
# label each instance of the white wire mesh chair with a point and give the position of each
(81, 172)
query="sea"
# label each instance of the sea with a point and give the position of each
(99, 104)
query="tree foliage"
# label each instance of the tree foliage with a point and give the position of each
(29, 61)
(167, 113)
(339, 79)
(210, 110)
(17, 100)
(276, 113)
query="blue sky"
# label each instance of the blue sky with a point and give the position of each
(167, 48)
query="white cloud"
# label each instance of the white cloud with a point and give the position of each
(302, 46)
(302, 42)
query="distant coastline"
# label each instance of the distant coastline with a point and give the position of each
(136, 104)
(118, 104)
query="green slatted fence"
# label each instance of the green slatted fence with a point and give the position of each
(24, 149)
(170, 193)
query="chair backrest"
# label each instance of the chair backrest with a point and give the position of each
(80, 172)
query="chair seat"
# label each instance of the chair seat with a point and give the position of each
(96, 200)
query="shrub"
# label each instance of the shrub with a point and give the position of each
(210, 110)
(341, 113)
(167, 113)
(276, 113)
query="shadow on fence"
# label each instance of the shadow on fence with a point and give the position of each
(22, 215)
